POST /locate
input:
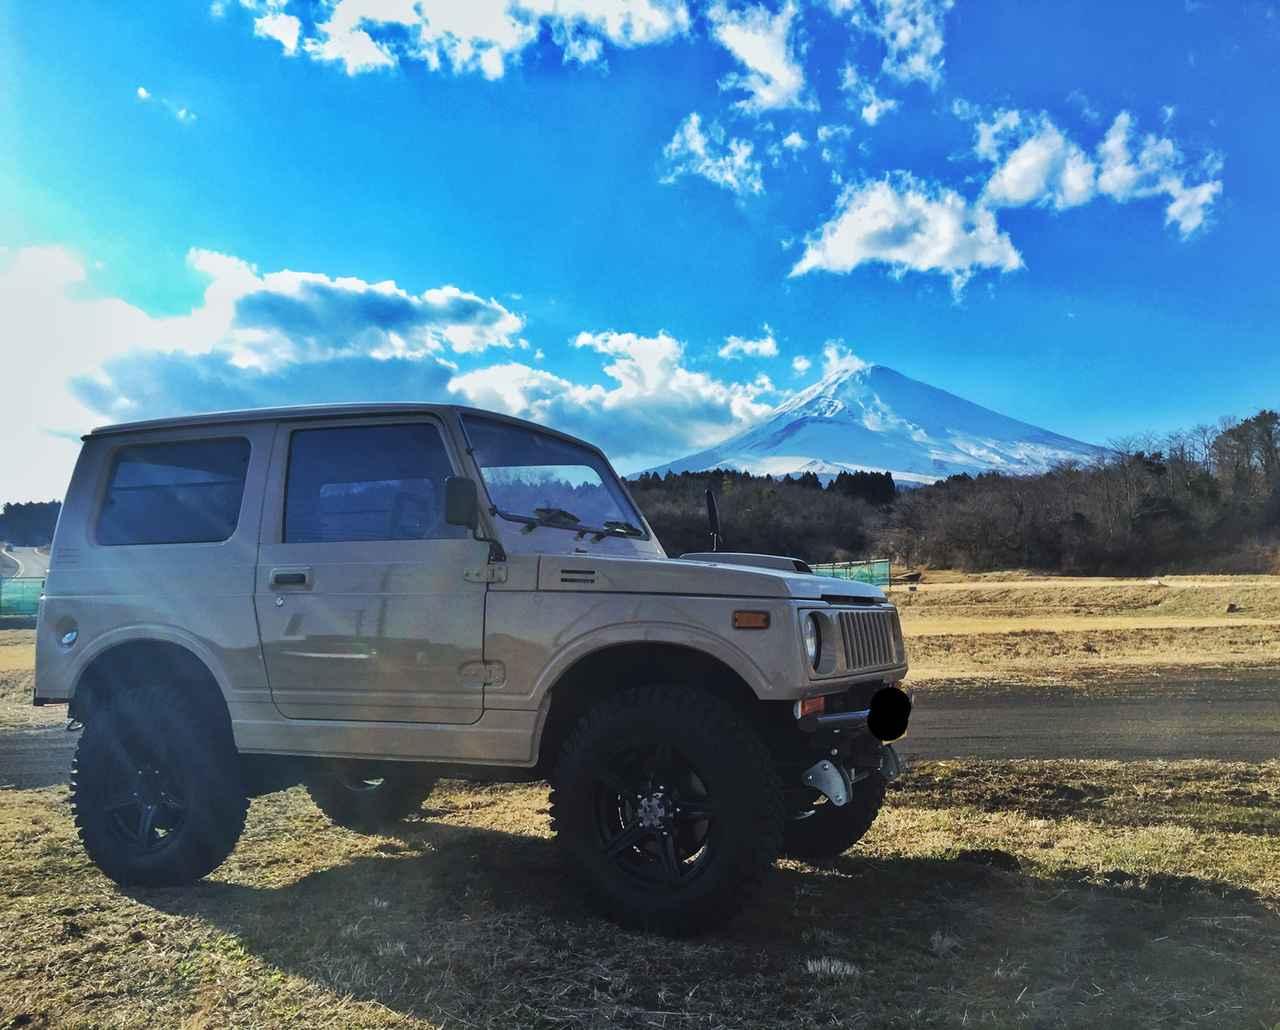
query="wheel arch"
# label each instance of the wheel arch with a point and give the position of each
(613, 667)
(148, 655)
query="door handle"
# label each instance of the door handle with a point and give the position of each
(291, 577)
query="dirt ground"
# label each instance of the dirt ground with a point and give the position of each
(1043, 894)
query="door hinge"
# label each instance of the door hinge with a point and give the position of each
(486, 574)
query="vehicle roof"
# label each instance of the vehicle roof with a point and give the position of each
(309, 411)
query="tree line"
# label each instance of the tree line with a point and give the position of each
(29, 523)
(1207, 499)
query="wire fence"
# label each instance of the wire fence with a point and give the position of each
(876, 571)
(20, 597)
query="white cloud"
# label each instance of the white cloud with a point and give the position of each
(912, 32)
(739, 347)
(764, 44)
(1046, 168)
(654, 407)
(180, 112)
(908, 225)
(283, 28)
(837, 358)
(828, 135)
(290, 337)
(1036, 163)
(484, 36)
(727, 163)
(863, 95)
(800, 364)
(794, 141)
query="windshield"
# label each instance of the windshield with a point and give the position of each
(540, 479)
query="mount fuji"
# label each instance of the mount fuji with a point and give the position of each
(870, 418)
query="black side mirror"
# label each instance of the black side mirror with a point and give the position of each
(461, 502)
(713, 520)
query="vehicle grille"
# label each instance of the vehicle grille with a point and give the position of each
(872, 639)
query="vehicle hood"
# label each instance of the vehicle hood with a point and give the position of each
(698, 578)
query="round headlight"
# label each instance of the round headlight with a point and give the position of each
(812, 639)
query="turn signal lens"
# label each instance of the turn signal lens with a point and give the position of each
(750, 620)
(810, 706)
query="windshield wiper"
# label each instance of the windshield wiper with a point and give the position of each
(555, 516)
(625, 528)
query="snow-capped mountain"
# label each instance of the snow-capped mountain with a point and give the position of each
(871, 418)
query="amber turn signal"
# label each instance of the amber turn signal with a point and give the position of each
(811, 706)
(750, 620)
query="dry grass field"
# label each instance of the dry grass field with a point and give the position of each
(1013, 893)
(1085, 633)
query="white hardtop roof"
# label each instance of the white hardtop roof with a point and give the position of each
(308, 411)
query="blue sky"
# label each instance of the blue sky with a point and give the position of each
(642, 220)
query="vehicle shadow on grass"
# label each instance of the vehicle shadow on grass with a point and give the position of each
(450, 922)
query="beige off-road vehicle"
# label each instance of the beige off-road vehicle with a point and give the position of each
(366, 598)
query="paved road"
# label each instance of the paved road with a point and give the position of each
(1214, 720)
(29, 561)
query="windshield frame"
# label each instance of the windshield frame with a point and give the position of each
(609, 476)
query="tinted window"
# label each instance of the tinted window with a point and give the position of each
(367, 483)
(174, 493)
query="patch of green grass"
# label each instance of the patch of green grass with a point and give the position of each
(1046, 894)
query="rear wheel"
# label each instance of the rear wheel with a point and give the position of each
(825, 831)
(156, 788)
(366, 797)
(667, 804)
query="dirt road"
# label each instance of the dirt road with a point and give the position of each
(1240, 722)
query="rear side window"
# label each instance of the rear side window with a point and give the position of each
(367, 483)
(187, 492)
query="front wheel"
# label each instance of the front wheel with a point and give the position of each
(368, 798)
(825, 831)
(667, 804)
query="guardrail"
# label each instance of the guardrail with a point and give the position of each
(876, 571)
(20, 597)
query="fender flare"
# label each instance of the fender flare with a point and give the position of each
(675, 634)
(147, 633)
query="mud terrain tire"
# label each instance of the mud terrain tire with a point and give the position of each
(156, 789)
(831, 831)
(668, 809)
(341, 791)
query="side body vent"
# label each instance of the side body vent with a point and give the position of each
(578, 577)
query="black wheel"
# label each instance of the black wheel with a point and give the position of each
(365, 797)
(668, 806)
(825, 831)
(156, 788)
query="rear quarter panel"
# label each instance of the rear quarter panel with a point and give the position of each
(197, 595)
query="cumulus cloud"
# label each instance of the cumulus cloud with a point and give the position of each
(478, 36)
(909, 225)
(764, 44)
(800, 364)
(290, 337)
(765, 346)
(912, 32)
(864, 97)
(283, 28)
(727, 163)
(1045, 168)
(655, 406)
(1037, 163)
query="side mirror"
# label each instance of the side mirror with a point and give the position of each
(461, 502)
